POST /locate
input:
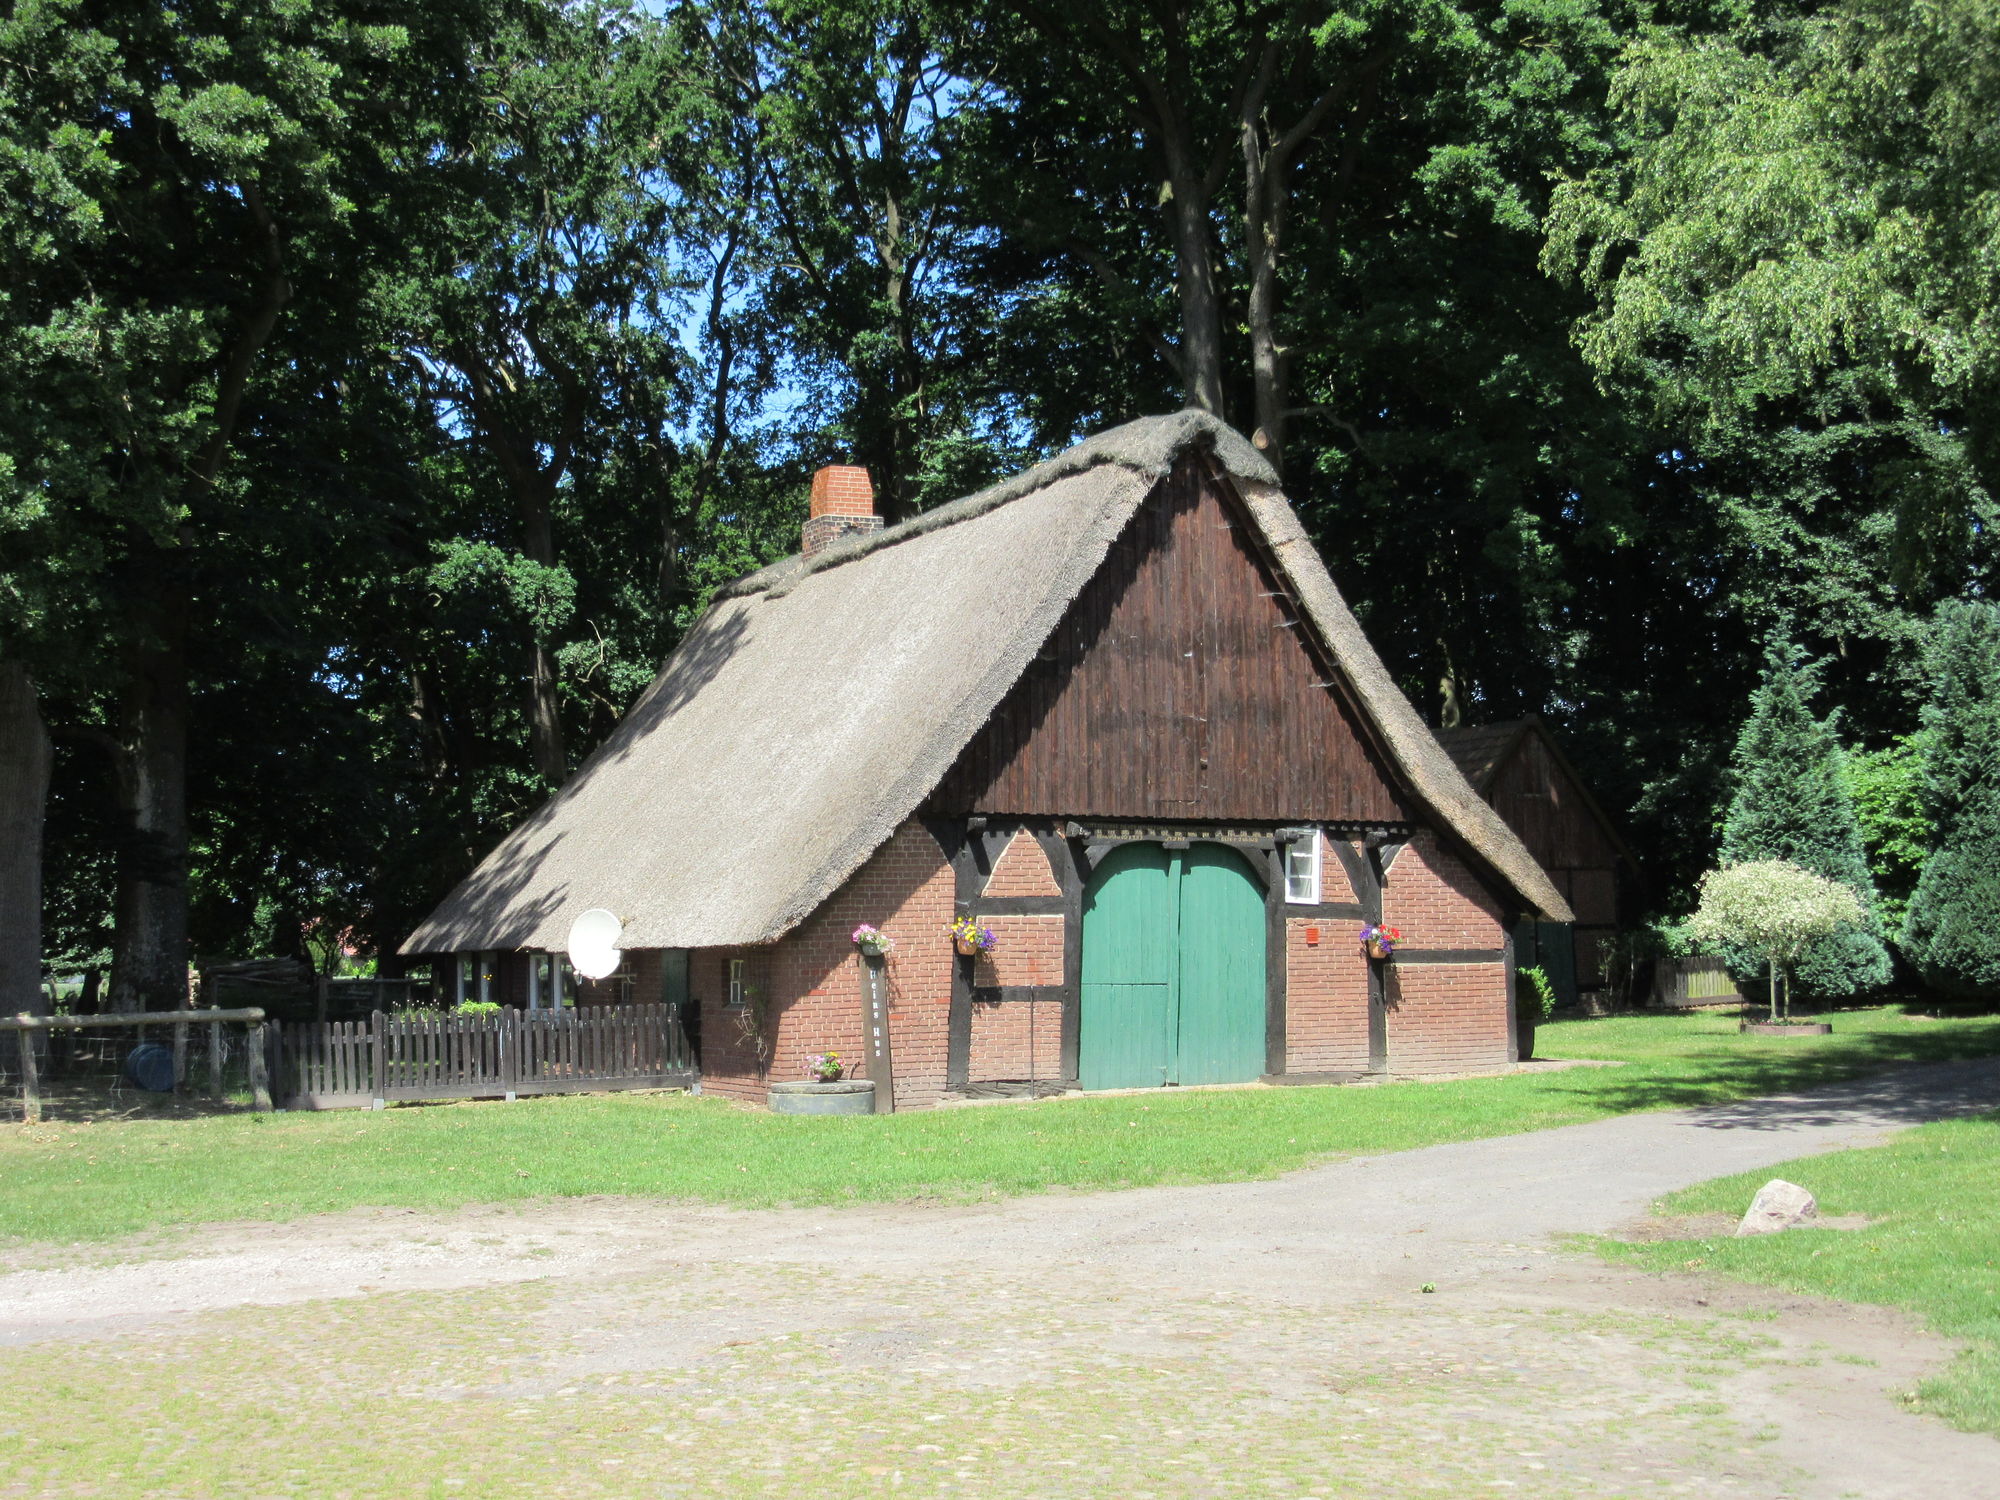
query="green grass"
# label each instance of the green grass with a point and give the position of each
(1934, 1248)
(80, 1182)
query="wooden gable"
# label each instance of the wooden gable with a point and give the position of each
(1179, 686)
(1547, 807)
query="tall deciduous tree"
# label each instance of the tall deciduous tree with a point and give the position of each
(1952, 932)
(1792, 804)
(540, 295)
(1796, 231)
(200, 164)
(25, 753)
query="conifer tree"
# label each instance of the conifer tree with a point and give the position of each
(1792, 803)
(1952, 931)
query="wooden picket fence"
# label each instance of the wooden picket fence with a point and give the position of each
(1689, 983)
(590, 1049)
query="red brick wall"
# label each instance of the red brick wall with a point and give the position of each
(1434, 899)
(1446, 1018)
(1016, 1039)
(1333, 882)
(813, 979)
(1023, 870)
(1326, 997)
(1026, 950)
(1443, 1017)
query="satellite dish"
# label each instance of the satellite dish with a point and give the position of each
(593, 943)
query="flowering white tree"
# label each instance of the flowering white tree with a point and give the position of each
(1774, 908)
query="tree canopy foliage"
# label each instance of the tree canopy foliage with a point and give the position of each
(387, 389)
(1950, 932)
(1774, 909)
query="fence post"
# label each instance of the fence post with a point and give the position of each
(260, 1078)
(31, 1091)
(215, 1061)
(378, 1031)
(180, 1054)
(510, 1050)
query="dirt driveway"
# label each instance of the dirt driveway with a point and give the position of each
(1256, 1338)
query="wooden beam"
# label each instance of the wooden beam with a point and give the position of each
(260, 1080)
(31, 1088)
(1276, 960)
(26, 1022)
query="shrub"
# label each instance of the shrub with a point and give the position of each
(1535, 1000)
(1774, 909)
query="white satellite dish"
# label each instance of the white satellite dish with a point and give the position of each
(593, 943)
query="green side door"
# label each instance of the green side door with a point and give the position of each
(1125, 1034)
(1173, 969)
(1222, 991)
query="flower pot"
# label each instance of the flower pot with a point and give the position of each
(1524, 1036)
(869, 950)
(1379, 950)
(850, 1096)
(966, 947)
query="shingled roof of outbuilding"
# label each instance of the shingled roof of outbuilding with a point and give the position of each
(1478, 750)
(820, 700)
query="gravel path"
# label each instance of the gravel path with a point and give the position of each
(1279, 1323)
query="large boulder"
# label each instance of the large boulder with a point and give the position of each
(1778, 1205)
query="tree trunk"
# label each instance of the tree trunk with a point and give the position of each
(149, 959)
(545, 732)
(24, 789)
(1201, 313)
(1773, 996)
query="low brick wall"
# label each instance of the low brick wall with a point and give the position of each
(812, 978)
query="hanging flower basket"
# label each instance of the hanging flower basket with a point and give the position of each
(872, 940)
(1380, 941)
(969, 938)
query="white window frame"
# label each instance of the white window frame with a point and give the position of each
(464, 968)
(1302, 887)
(551, 982)
(738, 969)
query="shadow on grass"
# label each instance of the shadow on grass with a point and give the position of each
(1757, 1087)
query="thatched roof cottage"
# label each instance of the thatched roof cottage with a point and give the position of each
(1113, 708)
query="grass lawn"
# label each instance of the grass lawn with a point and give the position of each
(95, 1181)
(1934, 1248)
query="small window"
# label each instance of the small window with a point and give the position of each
(466, 981)
(736, 984)
(1302, 870)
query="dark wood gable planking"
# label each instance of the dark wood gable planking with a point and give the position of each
(1178, 686)
(1548, 808)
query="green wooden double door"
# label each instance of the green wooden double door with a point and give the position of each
(1173, 969)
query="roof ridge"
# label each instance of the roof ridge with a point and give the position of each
(1147, 446)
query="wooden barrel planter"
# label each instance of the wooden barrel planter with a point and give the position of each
(1787, 1028)
(850, 1096)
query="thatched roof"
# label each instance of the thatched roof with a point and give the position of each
(819, 701)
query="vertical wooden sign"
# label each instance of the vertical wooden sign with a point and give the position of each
(877, 1062)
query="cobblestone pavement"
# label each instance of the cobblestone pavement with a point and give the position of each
(1271, 1338)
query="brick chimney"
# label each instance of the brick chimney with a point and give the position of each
(843, 502)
